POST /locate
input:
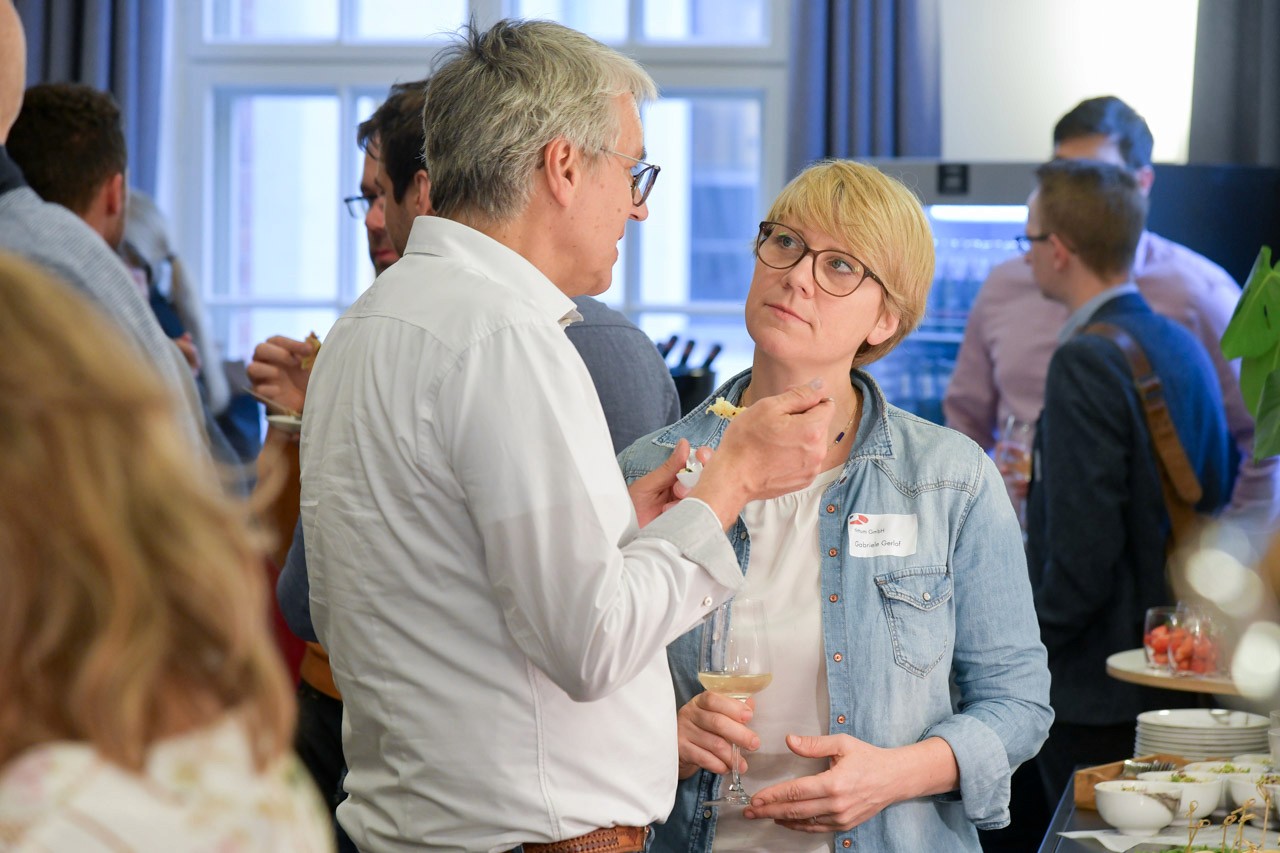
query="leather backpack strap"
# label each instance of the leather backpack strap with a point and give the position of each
(1178, 480)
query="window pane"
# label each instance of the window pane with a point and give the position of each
(719, 22)
(407, 20)
(704, 210)
(274, 20)
(606, 22)
(283, 198)
(239, 329)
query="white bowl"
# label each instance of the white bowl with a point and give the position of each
(1205, 790)
(1137, 807)
(1263, 758)
(1224, 767)
(1244, 786)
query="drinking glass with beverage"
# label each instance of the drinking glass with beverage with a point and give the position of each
(735, 662)
(1013, 458)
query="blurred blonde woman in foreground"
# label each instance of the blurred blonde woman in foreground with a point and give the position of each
(142, 705)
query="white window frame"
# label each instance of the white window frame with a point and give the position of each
(203, 68)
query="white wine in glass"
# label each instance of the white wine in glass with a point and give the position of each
(735, 662)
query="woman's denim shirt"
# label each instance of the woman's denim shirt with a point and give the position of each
(936, 639)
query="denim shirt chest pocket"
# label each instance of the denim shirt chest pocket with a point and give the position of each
(916, 603)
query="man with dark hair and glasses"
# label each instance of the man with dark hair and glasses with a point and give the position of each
(278, 374)
(1011, 333)
(1097, 524)
(369, 207)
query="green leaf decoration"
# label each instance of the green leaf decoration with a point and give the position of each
(1266, 439)
(1255, 325)
(1253, 336)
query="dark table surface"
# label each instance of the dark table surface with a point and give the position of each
(1067, 818)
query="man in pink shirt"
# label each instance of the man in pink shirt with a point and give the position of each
(1012, 329)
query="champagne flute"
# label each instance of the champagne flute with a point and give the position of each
(735, 662)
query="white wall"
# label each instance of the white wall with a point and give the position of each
(1011, 68)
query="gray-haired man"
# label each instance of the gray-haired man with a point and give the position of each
(495, 602)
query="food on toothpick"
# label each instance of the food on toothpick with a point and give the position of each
(309, 360)
(724, 409)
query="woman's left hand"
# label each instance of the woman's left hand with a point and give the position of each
(838, 799)
(862, 781)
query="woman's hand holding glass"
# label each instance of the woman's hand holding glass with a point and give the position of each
(709, 726)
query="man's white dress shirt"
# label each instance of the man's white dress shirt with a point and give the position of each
(495, 620)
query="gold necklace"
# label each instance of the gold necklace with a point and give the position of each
(840, 435)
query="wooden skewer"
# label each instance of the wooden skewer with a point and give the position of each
(272, 406)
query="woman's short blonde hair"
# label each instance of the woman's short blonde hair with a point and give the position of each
(502, 95)
(880, 221)
(133, 599)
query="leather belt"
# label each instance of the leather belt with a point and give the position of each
(615, 839)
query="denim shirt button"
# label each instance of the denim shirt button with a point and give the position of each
(837, 657)
(840, 719)
(742, 535)
(831, 508)
(833, 552)
(834, 598)
(707, 814)
(927, 596)
(846, 843)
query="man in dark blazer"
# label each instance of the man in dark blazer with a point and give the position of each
(1097, 523)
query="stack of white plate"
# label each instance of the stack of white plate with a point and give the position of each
(1200, 733)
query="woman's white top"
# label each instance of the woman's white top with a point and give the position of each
(783, 572)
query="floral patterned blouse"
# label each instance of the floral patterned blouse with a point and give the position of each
(199, 793)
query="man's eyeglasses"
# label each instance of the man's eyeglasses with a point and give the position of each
(358, 205)
(839, 273)
(643, 176)
(1025, 240)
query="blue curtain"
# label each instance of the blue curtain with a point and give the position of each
(1236, 87)
(865, 80)
(115, 45)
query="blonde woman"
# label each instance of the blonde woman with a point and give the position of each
(142, 705)
(895, 578)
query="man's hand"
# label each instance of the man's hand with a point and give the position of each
(189, 352)
(277, 373)
(707, 726)
(774, 447)
(653, 493)
(862, 780)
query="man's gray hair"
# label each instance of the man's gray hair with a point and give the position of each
(502, 95)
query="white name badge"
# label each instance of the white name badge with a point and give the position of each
(882, 535)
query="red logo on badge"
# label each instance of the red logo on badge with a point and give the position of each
(859, 519)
